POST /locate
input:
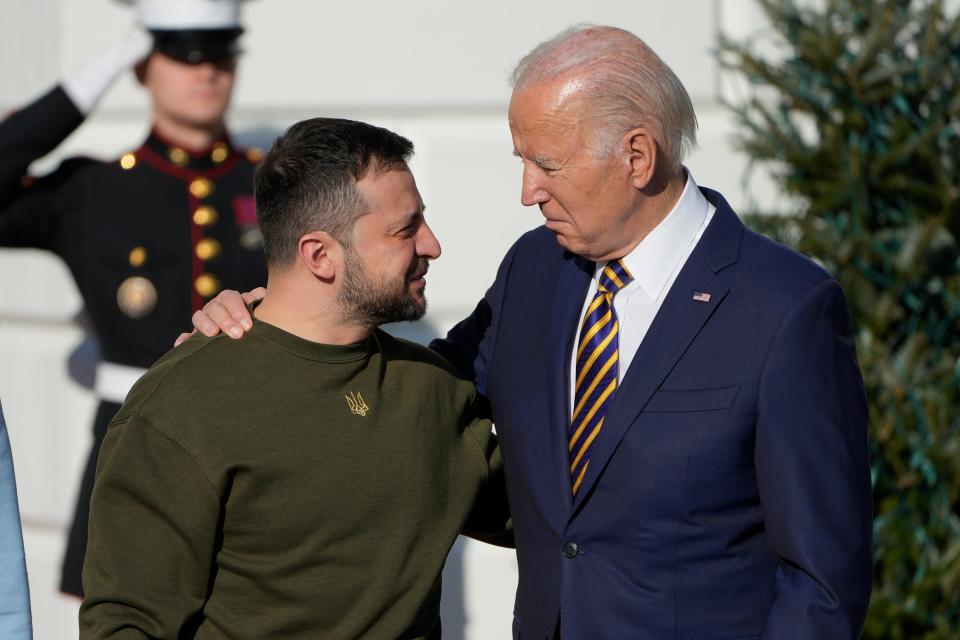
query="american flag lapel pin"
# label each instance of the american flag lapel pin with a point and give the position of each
(701, 296)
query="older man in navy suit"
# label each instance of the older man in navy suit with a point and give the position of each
(681, 413)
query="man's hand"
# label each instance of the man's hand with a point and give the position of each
(227, 312)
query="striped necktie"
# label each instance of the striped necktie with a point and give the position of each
(597, 356)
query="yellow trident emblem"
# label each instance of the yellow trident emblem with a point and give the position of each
(356, 404)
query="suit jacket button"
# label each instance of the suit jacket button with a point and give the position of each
(570, 550)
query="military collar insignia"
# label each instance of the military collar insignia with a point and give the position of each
(202, 160)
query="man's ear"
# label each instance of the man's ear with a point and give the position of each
(642, 155)
(319, 253)
(140, 70)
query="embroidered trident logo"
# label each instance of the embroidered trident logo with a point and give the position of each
(356, 404)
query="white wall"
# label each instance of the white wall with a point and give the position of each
(432, 70)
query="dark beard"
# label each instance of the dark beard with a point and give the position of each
(372, 302)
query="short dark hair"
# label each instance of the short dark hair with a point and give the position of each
(308, 180)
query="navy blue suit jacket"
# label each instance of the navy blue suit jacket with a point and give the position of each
(728, 496)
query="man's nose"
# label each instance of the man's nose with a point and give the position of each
(530, 191)
(427, 244)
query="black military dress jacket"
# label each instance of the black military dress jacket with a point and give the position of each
(149, 238)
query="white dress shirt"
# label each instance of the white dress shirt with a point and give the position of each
(654, 265)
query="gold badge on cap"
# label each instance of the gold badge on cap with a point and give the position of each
(136, 297)
(201, 188)
(128, 161)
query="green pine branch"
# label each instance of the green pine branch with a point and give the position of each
(857, 118)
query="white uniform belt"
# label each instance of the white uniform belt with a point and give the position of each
(114, 381)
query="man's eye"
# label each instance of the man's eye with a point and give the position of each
(538, 165)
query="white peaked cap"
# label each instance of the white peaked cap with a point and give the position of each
(178, 15)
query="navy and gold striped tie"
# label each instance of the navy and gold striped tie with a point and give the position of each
(597, 356)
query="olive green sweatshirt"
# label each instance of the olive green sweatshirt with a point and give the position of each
(273, 487)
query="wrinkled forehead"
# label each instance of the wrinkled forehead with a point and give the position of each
(559, 100)
(550, 119)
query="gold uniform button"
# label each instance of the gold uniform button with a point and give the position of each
(128, 161)
(254, 155)
(220, 152)
(138, 256)
(208, 249)
(201, 188)
(178, 156)
(207, 285)
(204, 216)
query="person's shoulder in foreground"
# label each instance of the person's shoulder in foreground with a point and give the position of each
(14, 595)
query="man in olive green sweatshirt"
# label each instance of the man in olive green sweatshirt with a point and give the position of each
(306, 482)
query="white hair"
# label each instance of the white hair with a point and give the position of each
(625, 85)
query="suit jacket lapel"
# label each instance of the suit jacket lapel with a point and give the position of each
(677, 323)
(571, 288)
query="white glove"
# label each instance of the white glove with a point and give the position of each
(91, 79)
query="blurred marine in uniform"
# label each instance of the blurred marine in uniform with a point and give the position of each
(152, 235)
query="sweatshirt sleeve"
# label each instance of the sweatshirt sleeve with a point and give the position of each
(154, 520)
(489, 521)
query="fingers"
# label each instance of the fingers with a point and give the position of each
(252, 296)
(206, 320)
(182, 338)
(234, 307)
(228, 313)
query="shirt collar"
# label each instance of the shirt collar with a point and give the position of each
(653, 260)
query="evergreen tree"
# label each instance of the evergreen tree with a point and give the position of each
(858, 120)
